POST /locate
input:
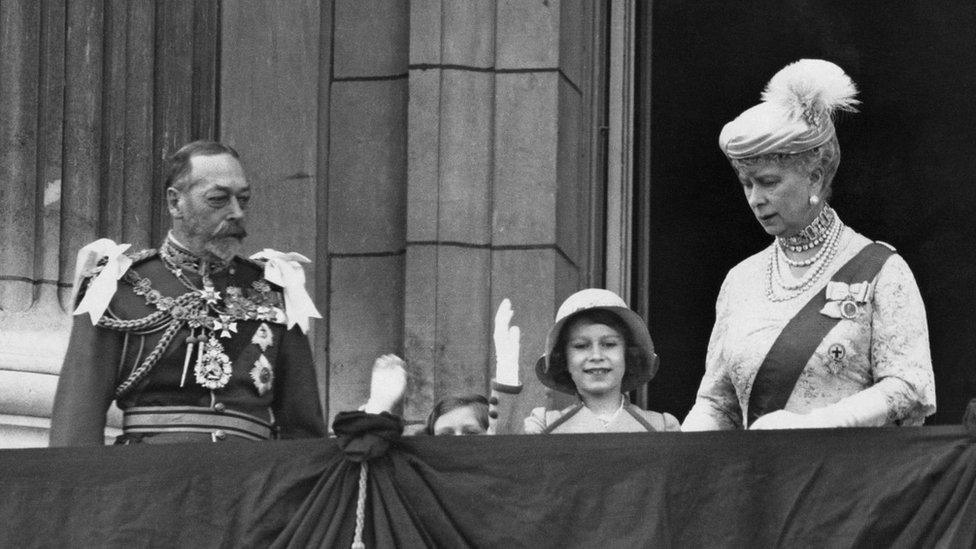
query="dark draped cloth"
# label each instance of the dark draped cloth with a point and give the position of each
(839, 488)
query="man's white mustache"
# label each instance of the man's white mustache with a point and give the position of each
(224, 230)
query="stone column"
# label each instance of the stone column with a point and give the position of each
(499, 185)
(367, 184)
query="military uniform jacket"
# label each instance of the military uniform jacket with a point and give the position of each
(266, 370)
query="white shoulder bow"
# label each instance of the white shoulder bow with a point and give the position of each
(105, 279)
(285, 270)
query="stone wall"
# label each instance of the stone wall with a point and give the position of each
(499, 183)
(430, 158)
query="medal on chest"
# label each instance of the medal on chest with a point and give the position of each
(214, 368)
(212, 316)
(262, 374)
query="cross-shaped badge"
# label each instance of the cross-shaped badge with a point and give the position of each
(837, 352)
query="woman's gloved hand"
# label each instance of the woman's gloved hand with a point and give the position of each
(868, 408)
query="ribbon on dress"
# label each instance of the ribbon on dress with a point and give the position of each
(105, 281)
(285, 270)
(845, 300)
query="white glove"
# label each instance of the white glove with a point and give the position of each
(506, 346)
(869, 408)
(781, 419)
(387, 384)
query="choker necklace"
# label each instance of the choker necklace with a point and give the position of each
(813, 234)
(800, 263)
(777, 290)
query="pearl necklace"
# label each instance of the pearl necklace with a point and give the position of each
(774, 277)
(780, 254)
(781, 249)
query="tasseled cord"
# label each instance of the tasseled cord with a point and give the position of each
(357, 540)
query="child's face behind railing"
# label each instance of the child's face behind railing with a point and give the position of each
(459, 421)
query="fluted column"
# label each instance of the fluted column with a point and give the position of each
(77, 162)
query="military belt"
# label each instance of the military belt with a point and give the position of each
(195, 419)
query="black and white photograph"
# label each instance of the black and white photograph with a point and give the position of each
(310, 273)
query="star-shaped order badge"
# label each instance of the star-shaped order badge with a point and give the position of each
(225, 325)
(263, 337)
(210, 295)
(262, 375)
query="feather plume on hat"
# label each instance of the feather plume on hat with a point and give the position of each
(796, 112)
(812, 90)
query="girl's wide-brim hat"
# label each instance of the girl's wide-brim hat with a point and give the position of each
(796, 113)
(638, 372)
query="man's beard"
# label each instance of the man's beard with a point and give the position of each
(226, 241)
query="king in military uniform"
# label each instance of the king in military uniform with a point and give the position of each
(192, 341)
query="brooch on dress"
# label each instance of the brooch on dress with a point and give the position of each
(845, 300)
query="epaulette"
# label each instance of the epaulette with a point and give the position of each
(93, 288)
(257, 264)
(136, 257)
(131, 277)
(286, 271)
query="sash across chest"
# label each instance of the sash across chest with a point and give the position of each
(780, 370)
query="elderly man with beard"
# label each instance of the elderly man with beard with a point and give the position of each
(192, 341)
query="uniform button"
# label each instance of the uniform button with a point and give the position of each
(219, 434)
(219, 407)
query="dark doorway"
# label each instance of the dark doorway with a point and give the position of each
(906, 175)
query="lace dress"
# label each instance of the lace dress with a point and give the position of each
(885, 348)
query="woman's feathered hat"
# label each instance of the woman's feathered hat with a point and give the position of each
(796, 113)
